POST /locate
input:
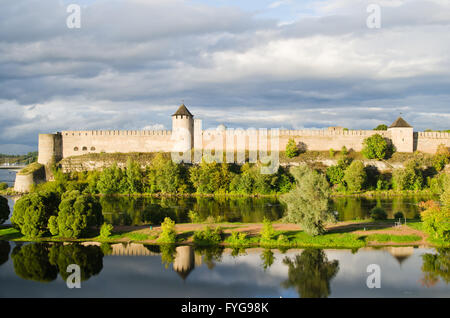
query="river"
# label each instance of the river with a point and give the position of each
(135, 270)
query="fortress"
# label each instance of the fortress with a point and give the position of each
(187, 134)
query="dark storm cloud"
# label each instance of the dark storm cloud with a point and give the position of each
(132, 62)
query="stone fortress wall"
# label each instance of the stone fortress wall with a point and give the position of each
(183, 136)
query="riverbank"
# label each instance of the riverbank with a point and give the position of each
(349, 234)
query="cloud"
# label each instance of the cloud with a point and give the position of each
(132, 62)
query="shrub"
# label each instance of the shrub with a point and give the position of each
(4, 209)
(3, 186)
(267, 231)
(344, 151)
(291, 149)
(399, 215)
(105, 230)
(168, 233)
(77, 213)
(208, 236)
(237, 238)
(331, 152)
(194, 216)
(282, 239)
(33, 211)
(378, 213)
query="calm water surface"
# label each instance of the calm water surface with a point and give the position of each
(135, 270)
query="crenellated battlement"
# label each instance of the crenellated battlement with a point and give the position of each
(433, 134)
(117, 133)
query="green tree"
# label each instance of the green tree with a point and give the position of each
(408, 178)
(33, 211)
(310, 273)
(376, 147)
(308, 203)
(267, 258)
(77, 213)
(5, 248)
(133, 175)
(164, 175)
(112, 181)
(436, 266)
(3, 186)
(355, 176)
(4, 210)
(381, 127)
(292, 149)
(105, 230)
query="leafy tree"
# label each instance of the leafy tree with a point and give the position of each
(3, 186)
(441, 158)
(4, 210)
(112, 181)
(376, 147)
(33, 211)
(381, 127)
(31, 262)
(292, 149)
(310, 273)
(77, 213)
(436, 219)
(308, 203)
(355, 176)
(408, 178)
(164, 175)
(344, 151)
(133, 175)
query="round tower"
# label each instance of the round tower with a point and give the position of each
(183, 129)
(50, 148)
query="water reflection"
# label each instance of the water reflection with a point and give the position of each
(137, 270)
(310, 273)
(42, 262)
(5, 248)
(120, 210)
(436, 267)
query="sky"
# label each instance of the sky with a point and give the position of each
(287, 64)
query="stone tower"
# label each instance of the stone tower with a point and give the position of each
(402, 135)
(183, 129)
(50, 148)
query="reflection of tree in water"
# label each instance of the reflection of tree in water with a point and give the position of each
(267, 258)
(210, 255)
(310, 273)
(31, 262)
(168, 253)
(41, 262)
(435, 267)
(89, 258)
(5, 248)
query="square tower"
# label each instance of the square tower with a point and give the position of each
(402, 135)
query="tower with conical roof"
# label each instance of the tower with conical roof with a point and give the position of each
(183, 129)
(402, 135)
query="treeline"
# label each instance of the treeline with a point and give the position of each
(417, 174)
(167, 177)
(19, 159)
